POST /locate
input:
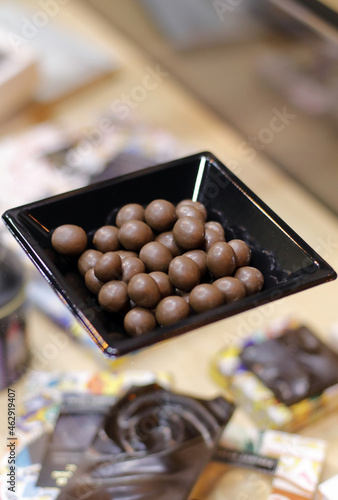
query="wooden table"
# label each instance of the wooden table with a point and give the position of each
(187, 358)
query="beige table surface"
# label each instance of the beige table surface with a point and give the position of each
(187, 357)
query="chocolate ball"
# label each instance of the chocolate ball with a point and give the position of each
(172, 309)
(200, 257)
(204, 297)
(87, 260)
(242, 252)
(211, 237)
(130, 267)
(108, 267)
(189, 233)
(189, 211)
(195, 204)
(124, 254)
(93, 284)
(138, 321)
(113, 296)
(106, 239)
(221, 260)
(184, 273)
(215, 226)
(232, 288)
(131, 211)
(69, 240)
(143, 290)
(167, 239)
(163, 283)
(134, 234)
(160, 215)
(252, 279)
(156, 256)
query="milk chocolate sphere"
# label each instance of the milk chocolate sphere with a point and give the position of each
(163, 283)
(221, 260)
(184, 273)
(87, 260)
(124, 254)
(204, 297)
(189, 211)
(172, 309)
(189, 233)
(69, 240)
(138, 321)
(242, 252)
(215, 226)
(106, 239)
(93, 284)
(160, 215)
(232, 288)
(143, 290)
(252, 279)
(195, 204)
(130, 267)
(200, 257)
(113, 296)
(108, 267)
(167, 239)
(134, 234)
(131, 211)
(211, 237)
(156, 256)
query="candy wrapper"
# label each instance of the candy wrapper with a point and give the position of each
(282, 377)
(153, 444)
(45, 393)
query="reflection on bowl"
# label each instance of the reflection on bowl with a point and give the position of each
(288, 264)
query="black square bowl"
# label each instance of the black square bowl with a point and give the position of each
(288, 264)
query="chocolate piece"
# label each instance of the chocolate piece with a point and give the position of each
(113, 296)
(134, 234)
(294, 366)
(171, 309)
(232, 288)
(92, 283)
(184, 273)
(204, 297)
(221, 260)
(167, 239)
(131, 211)
(108, 267)
(69, 240)
(189, 233)
(215, 226)
(195, 204)
(242, 252)
(200, 257)
(156, 256)
(160, 215)
(143, 290)
(189, 211)
(138, 321)
(163, 283)
(211, 237)
(87, 260)
(252, 279)
(124, 254)
(130, 267)
(106, 239)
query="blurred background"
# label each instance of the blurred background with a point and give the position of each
(247, 58)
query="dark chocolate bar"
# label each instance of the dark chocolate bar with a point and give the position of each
(294, 366)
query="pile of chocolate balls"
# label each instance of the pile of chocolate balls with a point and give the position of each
(159, 264)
